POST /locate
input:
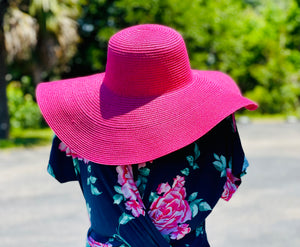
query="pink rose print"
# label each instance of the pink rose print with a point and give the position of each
(180, 232)
(62, 147)
(170, 211)
(230, 187)
(135, 207)
(140, 165)
(130, 191)
(94, 243)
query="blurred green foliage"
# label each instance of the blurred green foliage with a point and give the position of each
(255, 42)
(27, 138)
(24, 112)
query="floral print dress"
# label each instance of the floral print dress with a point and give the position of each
(163, 202)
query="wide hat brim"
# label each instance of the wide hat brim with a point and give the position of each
(109, 129)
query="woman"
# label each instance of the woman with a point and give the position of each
(152, 142)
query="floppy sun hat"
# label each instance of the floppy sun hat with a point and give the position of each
(148, 102)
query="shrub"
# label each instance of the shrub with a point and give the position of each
(23, 110)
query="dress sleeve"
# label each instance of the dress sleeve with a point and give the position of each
(237, 165)
(61, 164)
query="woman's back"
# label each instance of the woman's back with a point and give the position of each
(159, 203)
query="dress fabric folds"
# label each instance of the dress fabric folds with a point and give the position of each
(163, 202)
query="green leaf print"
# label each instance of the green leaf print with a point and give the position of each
(193, 196)
(144, 171)
(93, 179)
(142, 180)
(196, 151)
(204, 206)
(220, 164)
(142, 189)
(223, 173)
(76, 166)
(185, 171)
(230, 163)
(190, 159)
(167, 238)
(216, 156)
(192, 162)
(50, 170)
(195, 166)
(125, 218)
(89, 210)
(194, 209)
(197, 201)
(138, 182)
(223, 159)
(197, 205)
(118, 198)
(95, 191)
(118, 189)
(153, 196)
(199, 230)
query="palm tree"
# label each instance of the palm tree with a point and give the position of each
(46, 38)
(18, 31)
(57, 35)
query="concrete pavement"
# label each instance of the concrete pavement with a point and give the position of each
(35, 210)
(266, 208)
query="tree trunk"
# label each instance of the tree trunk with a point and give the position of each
(4, 116)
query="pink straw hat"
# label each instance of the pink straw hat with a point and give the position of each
(147, 104)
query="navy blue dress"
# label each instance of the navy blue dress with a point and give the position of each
(163, 202)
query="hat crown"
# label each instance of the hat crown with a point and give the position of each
(146, 60)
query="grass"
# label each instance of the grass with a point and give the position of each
(271, 118)
(263, 118)
(27, 138)
(39, 137)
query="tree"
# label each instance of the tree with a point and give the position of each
(37, 38)
(57, 36)
(277, 75)
(4, 118)
(41, 36)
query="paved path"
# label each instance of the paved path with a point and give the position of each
(266, 209)
(37, 211)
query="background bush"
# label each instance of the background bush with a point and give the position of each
(23, 110)
(256, 42)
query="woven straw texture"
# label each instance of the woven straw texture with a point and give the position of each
(147, 103)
